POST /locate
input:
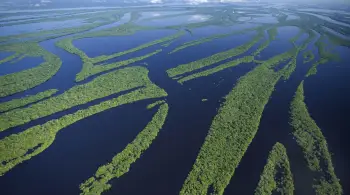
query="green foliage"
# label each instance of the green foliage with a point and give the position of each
(277, 162)
(9, 58)
(198, 64)
(314, 145)
(89, 67)
(95, 69)
(245, 59)
(121, 163)
(15, 103)
(150, 106)
(102, 86)
(20, 147)
(26, 79)
(233, 129)
(291, 66)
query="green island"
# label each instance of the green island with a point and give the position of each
(246, 59)
(239, 115)
(30, 124)
(20, 147)
(89, 67)
(314, 145)
(198, 64)
(15, 103)
(121, 163)
(9, 58)
(276, 176)
(26, 79)
(102, 86)
(150, 106)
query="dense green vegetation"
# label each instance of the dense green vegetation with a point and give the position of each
(276, 175)
(20, 147)
(15, 103)
(121, 163)
(89, 67)
(198, 64)
(314, 145)
(102, 86)
(95, 69)
(26, 79)
(245, 59)
(233, 128)
(150, 106)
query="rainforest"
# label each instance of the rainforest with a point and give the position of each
(189, 99)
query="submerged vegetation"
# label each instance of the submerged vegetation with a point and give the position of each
(121, 163)
(277, 175)
(308, 56)
(310, 138)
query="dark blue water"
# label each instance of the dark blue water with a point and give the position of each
(17, 66)
(4, 55)
(84, 146)
(281, 44)
(164, 167)
(173, 152)
(62, 80)
(274, 127)
(78, 151)
(196, 52)
(111, 45)
(327, 96)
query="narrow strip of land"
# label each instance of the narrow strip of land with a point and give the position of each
(121, 163)
(277, 176)
(314, 145)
